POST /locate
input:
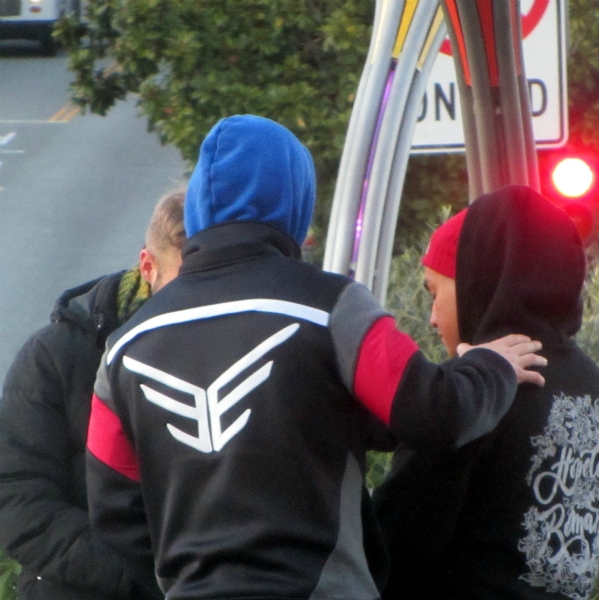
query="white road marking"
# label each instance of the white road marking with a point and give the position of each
(5, 139)
(30, 122)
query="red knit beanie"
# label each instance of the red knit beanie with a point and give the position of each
(442, 250)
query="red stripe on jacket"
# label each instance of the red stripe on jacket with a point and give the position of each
(383, 357)
(106, 440)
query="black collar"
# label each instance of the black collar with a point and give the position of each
(234, 242)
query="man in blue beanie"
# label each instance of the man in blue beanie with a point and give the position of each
(236, 407)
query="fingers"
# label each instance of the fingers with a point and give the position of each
(513, 339)
(522, 343)
(533, 377)
(523, 362)
(532, 360)
(523, 348)
(518, 345)
(519, 350)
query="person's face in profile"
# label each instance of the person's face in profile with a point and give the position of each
(444, 313)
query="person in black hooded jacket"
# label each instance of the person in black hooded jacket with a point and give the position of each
(234, 409)
(513, 515)
(44, 412)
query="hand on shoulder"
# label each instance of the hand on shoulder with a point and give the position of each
(519, 351)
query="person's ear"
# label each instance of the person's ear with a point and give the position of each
(147, 266)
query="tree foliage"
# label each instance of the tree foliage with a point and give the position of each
(297, 61)
(193, 62)
(583, 73)
(9, 572)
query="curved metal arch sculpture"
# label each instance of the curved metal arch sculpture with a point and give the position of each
(406, 38)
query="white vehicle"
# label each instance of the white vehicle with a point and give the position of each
(34, 19)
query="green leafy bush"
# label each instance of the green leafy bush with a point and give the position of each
(588, 337)
(192, 62)
(9, 571)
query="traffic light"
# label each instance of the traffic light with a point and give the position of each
(569, 180)
(572, 177)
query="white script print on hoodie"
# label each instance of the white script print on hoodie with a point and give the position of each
(561, 544)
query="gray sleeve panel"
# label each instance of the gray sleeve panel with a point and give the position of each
(345, 573)
(354, 314)
(101, 386)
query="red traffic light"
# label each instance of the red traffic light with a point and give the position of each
(568, 180)
(572, 177)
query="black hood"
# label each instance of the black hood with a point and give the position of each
(91, 306)
(520, 269)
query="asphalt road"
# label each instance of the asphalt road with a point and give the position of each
(76, 191)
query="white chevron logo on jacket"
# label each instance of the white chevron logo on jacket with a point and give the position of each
(208, 409)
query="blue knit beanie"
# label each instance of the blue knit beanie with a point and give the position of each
(251, 169)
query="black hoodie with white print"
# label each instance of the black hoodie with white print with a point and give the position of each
(513, 515)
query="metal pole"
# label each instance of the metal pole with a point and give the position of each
(502, 132)
(348, 157)
(412, 35)
(500, 149)
(510, 118)
(485, 96)
(348, 193)
(427, 57)
(464, 81)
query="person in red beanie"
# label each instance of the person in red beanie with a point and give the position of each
(439, 277)
(513, 515)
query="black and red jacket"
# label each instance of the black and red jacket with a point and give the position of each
(235, 410)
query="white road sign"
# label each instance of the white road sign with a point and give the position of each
(439, 127)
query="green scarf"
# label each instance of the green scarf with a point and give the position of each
(133, 291)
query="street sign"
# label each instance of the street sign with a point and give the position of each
(439, 128)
